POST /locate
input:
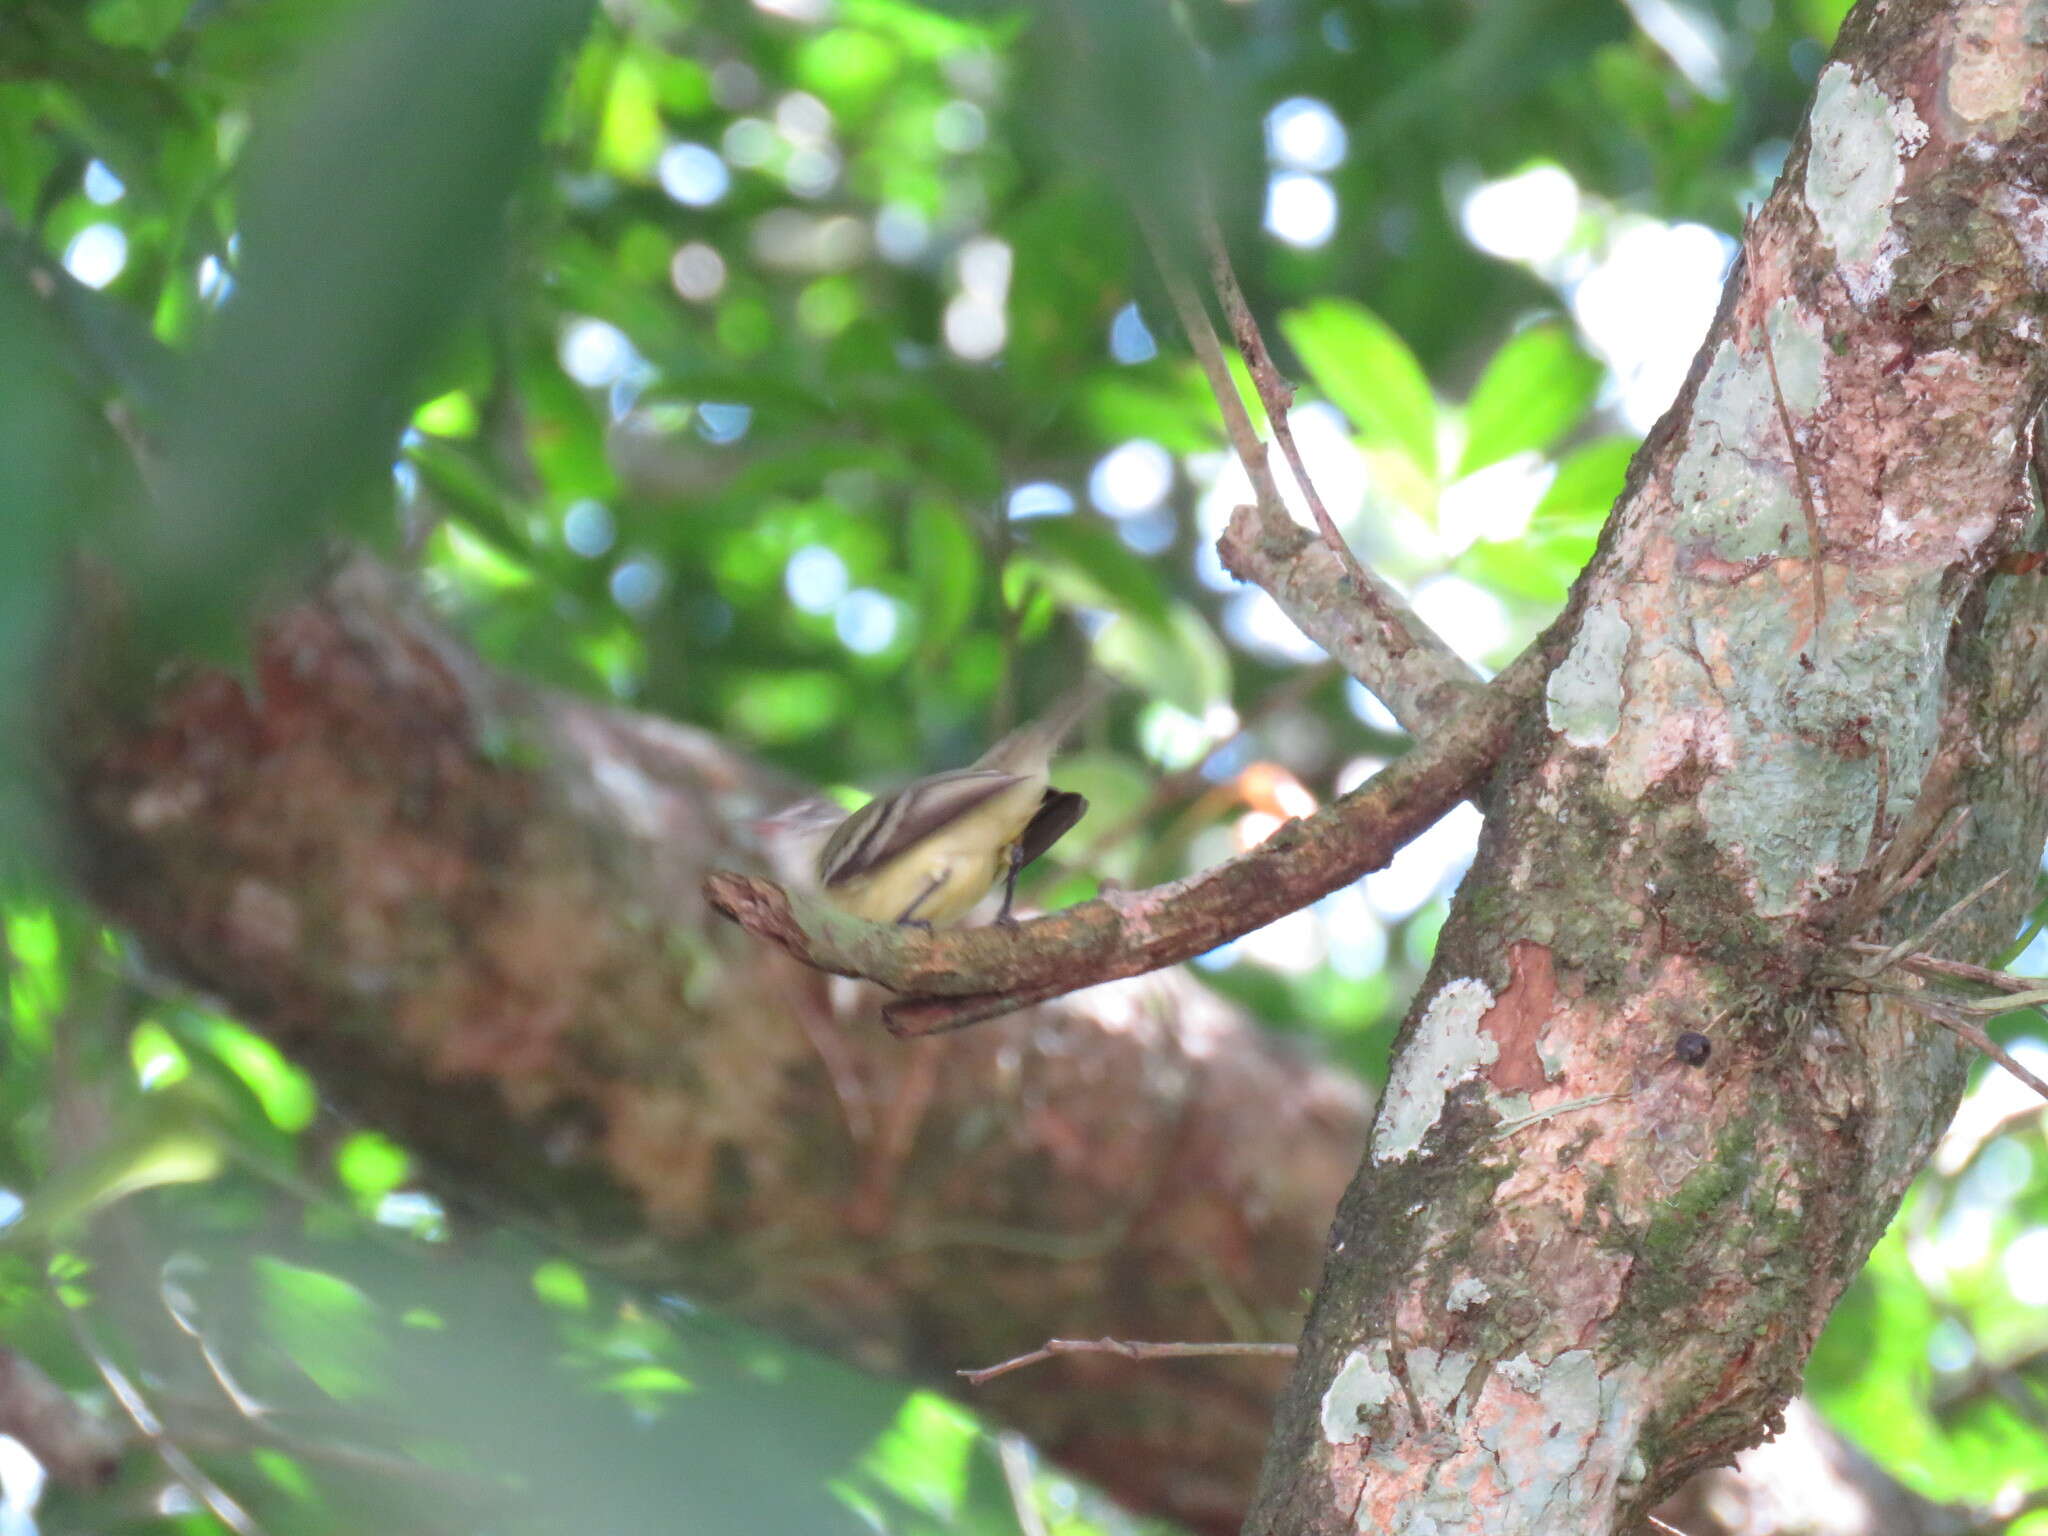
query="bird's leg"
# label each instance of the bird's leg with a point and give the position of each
(908, 917)
(1006, 917)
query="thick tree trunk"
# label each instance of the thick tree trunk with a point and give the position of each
(1580, 1263)
(473, 911)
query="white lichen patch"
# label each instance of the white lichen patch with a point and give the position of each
(1860, 140)
(1437, 1377)
(1363, 1385)
(1561, 1440)
(1466, 1294)
(1448, 1047)
(1583, 697)
(1801, 356)
(1521, 1373)
(1799, 799)
(1733, 485)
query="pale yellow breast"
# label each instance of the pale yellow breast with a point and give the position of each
(971, 853)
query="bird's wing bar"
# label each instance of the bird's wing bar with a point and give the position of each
(882, 829)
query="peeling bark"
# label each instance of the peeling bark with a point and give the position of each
(1578, 1266)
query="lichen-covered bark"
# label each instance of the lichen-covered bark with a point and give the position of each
(1576, 1267)
(473, 911)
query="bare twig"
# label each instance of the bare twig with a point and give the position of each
(1814, 553)
(1013, 1452)
(1334, 600)
(964, 975)
(1276, 394)
(151, 1428)
(1919, 941)
(1955, 1018)
(1954, 970)
(1129, 1349)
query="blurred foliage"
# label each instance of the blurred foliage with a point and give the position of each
(796, 368)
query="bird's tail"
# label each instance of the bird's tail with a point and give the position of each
(1031, 746)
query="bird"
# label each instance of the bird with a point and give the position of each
(927, 854)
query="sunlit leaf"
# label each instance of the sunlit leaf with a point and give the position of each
(1368, 372)
(1087, 547)
(924, 1457)
(630, 141)
(371, 1166)
(283, 1089)
(657, 1379)
(1182, 661)
(1588, 482)
(561, 1284)
(326, 1326)
(1536, 388)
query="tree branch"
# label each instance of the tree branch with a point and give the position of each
(961, 976)
(1129, 1349)
(1333, 598)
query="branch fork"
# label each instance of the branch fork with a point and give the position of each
(946, 980)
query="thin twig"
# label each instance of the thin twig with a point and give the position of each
(1954, 1019)
(1919, 941)
(1276, 394)
(1934, 850)
(1013, 1453)
(1806, 504)
(1129, 1349)
(1350, 612)
(1237, 422)
(1955, 970)
(181, 1466)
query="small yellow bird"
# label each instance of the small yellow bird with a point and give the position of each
(929, 852)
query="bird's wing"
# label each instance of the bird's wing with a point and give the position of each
(882, 829)
(1053, 820)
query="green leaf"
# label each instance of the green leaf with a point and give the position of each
(630, 141)
(372, 1166)
(1368, 372)
(1537, 387)
(847, 67)
(324, 1325)
(145, 25)
(561, 1285)
(924, 1457)
(945, 559)
(1174, 408)
(285, 1092)
(1587, 485)
(1084, 545)
(1181, 661)
(373, 202)
(647, 1379)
